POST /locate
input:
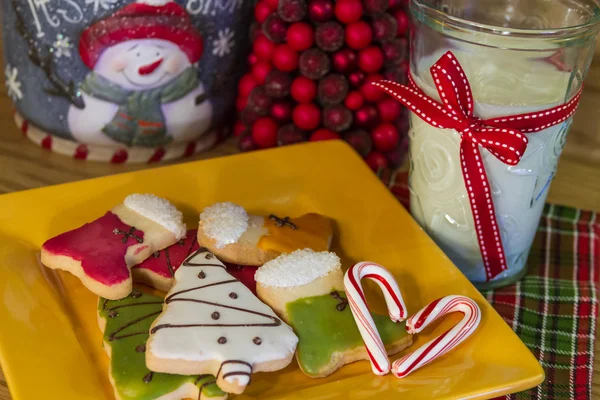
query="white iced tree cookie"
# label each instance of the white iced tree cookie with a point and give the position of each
(212, 324)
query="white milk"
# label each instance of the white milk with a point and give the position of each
(439, 199)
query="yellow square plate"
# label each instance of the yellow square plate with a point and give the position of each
(50, 344)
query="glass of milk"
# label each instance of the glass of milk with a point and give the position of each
(519, 56)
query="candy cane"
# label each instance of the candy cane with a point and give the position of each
(360, 310)
(447, 340)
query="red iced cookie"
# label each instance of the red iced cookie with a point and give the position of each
(159, 269)
(100, 253)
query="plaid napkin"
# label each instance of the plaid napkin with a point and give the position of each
(554, 308)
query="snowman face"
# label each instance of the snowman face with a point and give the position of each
(142, 63)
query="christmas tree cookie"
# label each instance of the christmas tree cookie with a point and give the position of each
(159, 269)
(125, 324)
(229, 232)
(212, 324)
(101, 253)
(306, 289)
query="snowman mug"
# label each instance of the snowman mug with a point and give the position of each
(121, 80)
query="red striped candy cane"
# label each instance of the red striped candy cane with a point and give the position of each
(447, 340)
(380, 362)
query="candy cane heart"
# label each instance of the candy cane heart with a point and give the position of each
(444, 342)
(380, 362)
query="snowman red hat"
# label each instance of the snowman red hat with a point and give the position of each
(143, 19)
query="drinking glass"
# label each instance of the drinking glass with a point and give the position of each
(519, 56)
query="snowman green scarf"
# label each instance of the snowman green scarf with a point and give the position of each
(139, 121)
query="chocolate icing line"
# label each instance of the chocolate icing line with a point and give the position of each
(282, 222)
(113, 335)
(171, 298)
(200, 377)
(169, 266)
(343, 302)
(168, 299)
(232, 362)
(201, 388)
(187, 263)
(128, 234)
(236, 373)
(143, 303)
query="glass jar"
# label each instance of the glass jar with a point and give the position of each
(519, 56)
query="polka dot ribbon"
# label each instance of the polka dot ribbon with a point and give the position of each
(501, 136)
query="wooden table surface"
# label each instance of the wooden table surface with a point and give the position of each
(24, 165)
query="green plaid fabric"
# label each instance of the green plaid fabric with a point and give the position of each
(554, 308)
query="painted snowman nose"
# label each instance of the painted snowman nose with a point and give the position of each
(150, 68)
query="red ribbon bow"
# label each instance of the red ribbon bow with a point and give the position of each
(502, 136)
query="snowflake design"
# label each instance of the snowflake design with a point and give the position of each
(223, 44)
(104, 4)
(12, 83)
(62, 46)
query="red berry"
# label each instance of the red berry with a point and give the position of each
(277, 83)
(358, 35)
(300, 36)
(337, 118)
(323, 134)
(389, 109)
(240, 103)
(255, 31)
(261, 11)
(263, 48)
(285, 58)
(246, 84)
(344, 60)
(264, 132)
(376, 161)
(290, 134)
(356, 78)
(354, 100)
(246, 143)
(252, 59)
(329, 36)
(385, 137)
(366, 117)
(239, 129)
(320, 10)
(402, 21)
(372, 92)
(291, 10)
(360, 140)
(333, 88)
(396, 157)
(384, 27)
(348, 11)
(273, 4)
(275, 28)
(370, 59)
(314, 63)
(259, 101)
(249, 116)
(281, 111)
(397, 72)
(376, 7)
(303, 89)
(395, 4)
(306, 116)
(395, 50)
(260, 70)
